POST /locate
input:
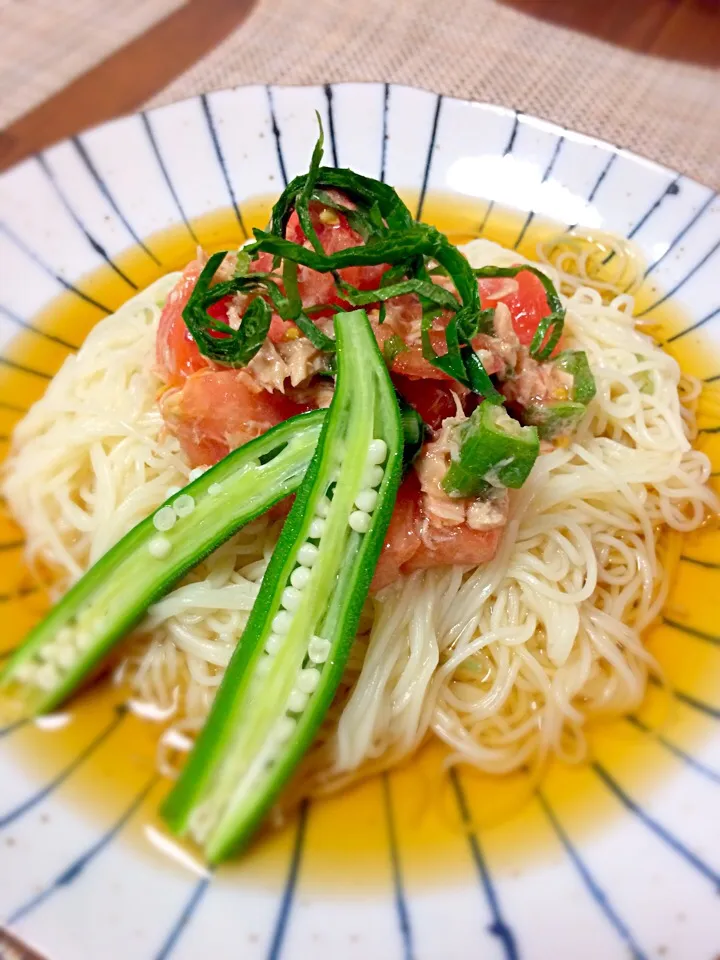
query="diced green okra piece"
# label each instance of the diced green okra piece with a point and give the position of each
(575, 362)
(555, 418)
(289, 661)
(112, 596)
(558, 417)
(493, 450)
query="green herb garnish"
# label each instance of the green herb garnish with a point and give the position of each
(414, 253)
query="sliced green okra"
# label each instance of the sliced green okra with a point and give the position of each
(575, 362)
(556, 418)
(493, 450)
(287, 666)
(112, 596)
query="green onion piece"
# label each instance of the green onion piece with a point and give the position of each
(286, 669)
(555, 418)
(242, 263)
(493, 451)
(112, 596)
(560, 417)
(575, 362)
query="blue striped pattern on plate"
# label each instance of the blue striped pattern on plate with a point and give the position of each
(77, 885)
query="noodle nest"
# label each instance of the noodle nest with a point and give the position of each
(504, 663)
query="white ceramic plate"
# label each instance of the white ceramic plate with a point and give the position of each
(646, 884)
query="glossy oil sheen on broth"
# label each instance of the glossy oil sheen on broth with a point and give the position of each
(429, 829)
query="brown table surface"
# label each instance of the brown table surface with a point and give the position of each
(687, 30)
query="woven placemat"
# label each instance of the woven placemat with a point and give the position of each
(483, 50)
(44, 44)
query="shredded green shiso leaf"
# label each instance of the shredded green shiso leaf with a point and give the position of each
(415, 253)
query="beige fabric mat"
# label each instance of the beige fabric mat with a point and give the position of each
(483, 50)
(44, 44)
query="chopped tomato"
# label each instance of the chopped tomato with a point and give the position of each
(215, 411)
(413, 542)
(176, 352)
(219, 309)
(410, 362)
(279, 329)
(525, 297)
(433, 399)
(402, 539)
(262, 264)
(335, 234)
(454, 546)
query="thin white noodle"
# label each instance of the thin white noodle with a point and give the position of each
(504, 663)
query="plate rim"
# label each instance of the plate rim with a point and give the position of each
(550, 125)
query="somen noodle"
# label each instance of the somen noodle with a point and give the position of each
(505, 663)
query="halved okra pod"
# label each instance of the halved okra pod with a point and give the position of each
(290, 659)
(114, 594)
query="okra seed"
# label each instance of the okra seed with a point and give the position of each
(263, 666)
(317, 528)
(49, 653)
(65, 657)
(300, 577)
(196, 473)
(282, 623)
(159, 547)
(83, 639)
(64, 635)
(285, 728)
(291, 598)
(360, 521)
(297, 701)
(373, 476)
(308, 680)
(366, 500)
(214, 489)
(273, 644)
(319, 649)
(323, 507)
(377, 452)
(307, 554)
(24, 671)
(172, 492)
(46, 676)
(184, 505)
(164, 519)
